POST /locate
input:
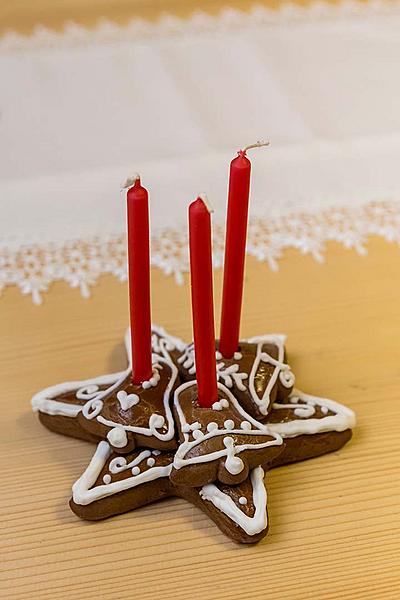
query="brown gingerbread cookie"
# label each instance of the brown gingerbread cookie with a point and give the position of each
(220, 443)
(257, 374)
(113, 484)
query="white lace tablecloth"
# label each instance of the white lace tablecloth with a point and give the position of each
(81, 110)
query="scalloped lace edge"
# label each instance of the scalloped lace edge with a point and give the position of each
(169, 25)
(33, 268)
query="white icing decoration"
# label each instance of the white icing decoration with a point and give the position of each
(119, 463)
(167, 341)
(220, 404)
(324, 410)
(211, 426)
(251, 525)
(187, 359)
(233, 463)
(151, 462)
(153, 381)
(45, 400)
(135, 471)
(83, 491)
(218, 355)
(117, 437)
(231, 376)
(87, 392)
(300, 410)
(343, 417)
(245, 425)
(162, 342)
(243, 500)
(197, 434)
(237, 356)
(229, 450)
(156, 452)
(127, 400)
(107, 479)
(229, 424)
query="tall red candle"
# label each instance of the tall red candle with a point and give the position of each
(139, 281)
(235, 250)
(202, 301)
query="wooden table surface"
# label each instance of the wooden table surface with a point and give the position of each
(333, 520)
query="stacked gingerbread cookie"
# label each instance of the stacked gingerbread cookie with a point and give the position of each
(202, 421)
(154, 440)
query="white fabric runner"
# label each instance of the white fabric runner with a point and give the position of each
(82, 110)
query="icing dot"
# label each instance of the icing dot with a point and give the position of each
(229, 424)
(151, 462)
(186, 428)
(156, 421)
(216, 406)
(224, 403)
(195, 425)
(237, 355)
(197, 434)
(218, 355)
(146, 385)
(245, 425)
(135, 471)
(242, 500)
(107, 478)
(212, 426)
(156, 452)
(117, 437)
(324, 410)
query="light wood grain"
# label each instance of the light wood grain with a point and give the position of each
(334, 520)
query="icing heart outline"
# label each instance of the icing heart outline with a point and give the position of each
(127, 400)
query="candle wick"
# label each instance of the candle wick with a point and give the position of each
(130, 181)
(258, 144)
(206, 202)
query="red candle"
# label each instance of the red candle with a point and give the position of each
(202, 301)
(235, 250)
(139, 281)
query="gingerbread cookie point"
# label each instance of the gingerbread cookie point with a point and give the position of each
(114, 484)
(257, 373)
(310, 426)
(219, 443)
(59, 406)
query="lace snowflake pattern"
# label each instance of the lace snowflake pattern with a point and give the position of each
(33, 268)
